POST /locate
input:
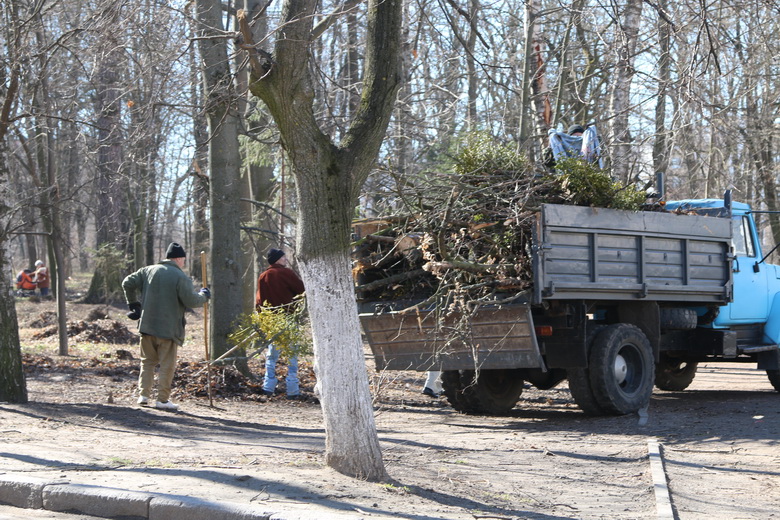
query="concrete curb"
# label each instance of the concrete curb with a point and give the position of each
(96, 501)
(104, 502)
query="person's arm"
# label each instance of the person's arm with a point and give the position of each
(258, 303)
(295, 283)
(187, 294)
(131, 285)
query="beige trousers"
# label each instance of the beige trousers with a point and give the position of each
(156, 351)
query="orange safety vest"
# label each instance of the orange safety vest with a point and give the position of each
(24, 281)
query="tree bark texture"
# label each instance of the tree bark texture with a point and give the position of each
(662, 139)
(352, 446)
(13, 387)
(328, 180)
(225, 171)
(112, 218)
(629, 18)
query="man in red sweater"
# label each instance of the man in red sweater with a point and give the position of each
(276, 287)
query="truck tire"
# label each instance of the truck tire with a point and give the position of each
(674, 374)
(774, 378)
(579, 381)
(495, 392)
(453, 391)
(675, 318)
(622, 369)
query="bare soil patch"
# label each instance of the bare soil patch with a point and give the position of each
(720, 441)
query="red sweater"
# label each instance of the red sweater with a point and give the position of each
(277, 285)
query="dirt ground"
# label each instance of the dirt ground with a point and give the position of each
(719, 440)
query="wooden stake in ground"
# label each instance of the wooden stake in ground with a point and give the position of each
(204, 279)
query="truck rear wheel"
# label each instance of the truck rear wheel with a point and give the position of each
(622, 369)
(774, 378)
(674, 374)
(495, 392)
(579, 381)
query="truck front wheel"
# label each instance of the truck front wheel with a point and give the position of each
(492, 392)
(622, 369)
(674, 374)
(774, 378)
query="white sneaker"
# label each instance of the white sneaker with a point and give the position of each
(143, 401)
(166, 405)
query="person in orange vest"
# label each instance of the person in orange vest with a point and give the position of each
(41, 278)
(24, 280)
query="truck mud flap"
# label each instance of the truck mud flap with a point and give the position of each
(490, 339)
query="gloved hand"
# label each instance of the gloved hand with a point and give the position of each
(135, 311)
(206, 292)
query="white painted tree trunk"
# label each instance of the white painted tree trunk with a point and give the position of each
(352, 446)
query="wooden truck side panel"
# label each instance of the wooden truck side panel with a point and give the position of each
(602, 254)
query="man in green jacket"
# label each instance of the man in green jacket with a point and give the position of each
(166, 293)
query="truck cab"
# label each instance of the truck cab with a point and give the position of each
(755, 305)
(750, 322)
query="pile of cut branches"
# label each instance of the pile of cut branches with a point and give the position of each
(466, 236)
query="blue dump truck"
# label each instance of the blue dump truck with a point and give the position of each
(621, 302)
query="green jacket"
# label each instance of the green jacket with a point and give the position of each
(166, 293)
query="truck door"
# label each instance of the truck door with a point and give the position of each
(750, 287)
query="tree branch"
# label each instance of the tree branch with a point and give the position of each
(390, 279)
(329, 20)
(248, 44)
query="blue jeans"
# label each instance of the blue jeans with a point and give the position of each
(269, 381)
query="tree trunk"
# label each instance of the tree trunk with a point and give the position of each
(629, 18)
(661, 144)
(351, 446)
(471, 66)
(225, 170)
(112, 219)
(13, 387)
(328, 180)
(111, 216)
(526, 114)
(200, 189)
(540, 98)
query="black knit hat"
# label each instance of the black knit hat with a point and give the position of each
(175, 251)
(274, 255)
(573, 129)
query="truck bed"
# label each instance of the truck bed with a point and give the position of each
(605, 254)
(579, 253)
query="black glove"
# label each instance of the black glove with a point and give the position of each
(135, 311)
(205, 292)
